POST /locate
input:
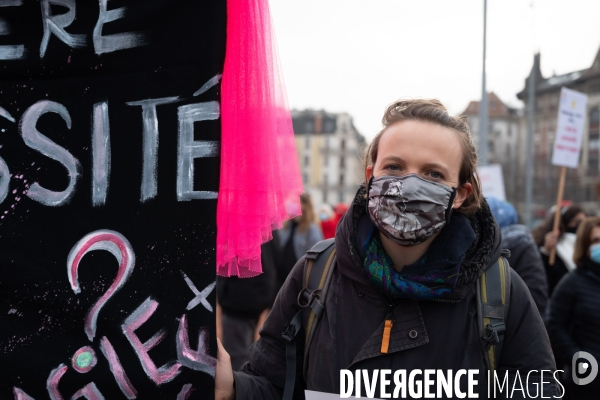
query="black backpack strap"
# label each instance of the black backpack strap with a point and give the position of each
(289, 335)
(316, 277)
(319, 278)
(493, 303)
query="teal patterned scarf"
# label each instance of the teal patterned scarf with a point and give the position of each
(377, 267)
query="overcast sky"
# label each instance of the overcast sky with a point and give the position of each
(360, 55)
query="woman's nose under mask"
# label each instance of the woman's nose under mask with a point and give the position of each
(409, 209)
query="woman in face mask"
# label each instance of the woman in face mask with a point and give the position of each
(328, 221)
(403, 294)
(574, 324)
(562, 241)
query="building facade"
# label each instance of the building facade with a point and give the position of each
(581, 184)
(504, 131)
(330, 151)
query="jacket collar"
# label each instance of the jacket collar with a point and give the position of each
(590, 269)
(476, 248)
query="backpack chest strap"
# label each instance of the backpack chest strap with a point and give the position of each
(494, 295)
(318, 268)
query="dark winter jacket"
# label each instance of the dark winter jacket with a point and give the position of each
(555, 272)
(559, 269)
(440, 334)
(526, 261)
(248, 297)
(574, 324)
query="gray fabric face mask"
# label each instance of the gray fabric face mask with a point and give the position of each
(409, 209)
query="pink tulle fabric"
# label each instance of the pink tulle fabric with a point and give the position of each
(260, 176)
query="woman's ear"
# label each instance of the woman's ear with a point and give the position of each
(368, 173)
(462, 193)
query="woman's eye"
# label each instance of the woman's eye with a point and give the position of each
(393, 168)
(435, 175)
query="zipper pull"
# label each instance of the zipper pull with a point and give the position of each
(387, 332)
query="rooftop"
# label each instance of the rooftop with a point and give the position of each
(555, 82)
(319, 122)
(496, 108)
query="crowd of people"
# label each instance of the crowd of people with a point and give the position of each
(566, 291)
(410, 251)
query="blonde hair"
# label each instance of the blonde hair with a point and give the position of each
(433, 111)
(308, 213)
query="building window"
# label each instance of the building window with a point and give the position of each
(341, 197)
(307, 142)
(342, 162)
(341, 179)
(325, 160)
(553, 103)
(593, 161)
(306, 161)
(343, 144)
(343, 128)
(325, 180)
(324, 196)
(305, 178)
(308, 126)
(594, 119)
(594, 87)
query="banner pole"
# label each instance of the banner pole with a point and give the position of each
(559, 198)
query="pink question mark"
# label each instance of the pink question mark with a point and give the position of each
(118, 246)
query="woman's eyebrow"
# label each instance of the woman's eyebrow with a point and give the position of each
(393, 159)
(432, 165)
(436, 166)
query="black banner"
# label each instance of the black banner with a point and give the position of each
(110, 137)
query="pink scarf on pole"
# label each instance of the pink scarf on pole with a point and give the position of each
(260, 179)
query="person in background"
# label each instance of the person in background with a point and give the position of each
(563, 241)
(328, 221)
(297, 237)
(340, 209)
(574, 324)
(243, 304)
(524, 257)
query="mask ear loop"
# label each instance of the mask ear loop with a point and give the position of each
(449, 208)
(452, 197)
(368, 191)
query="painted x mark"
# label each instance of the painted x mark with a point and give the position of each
(200, 295)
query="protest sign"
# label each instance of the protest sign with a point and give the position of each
(109, 174)
(567, 145)
(569, 129)
(492, 181)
